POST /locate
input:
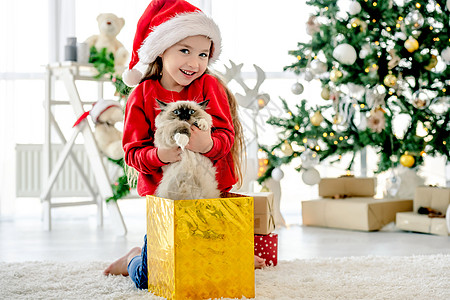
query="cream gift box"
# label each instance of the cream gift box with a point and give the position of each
(358, 213)
(347, 186)
(432, 197)
(411, 221)
(264, 222)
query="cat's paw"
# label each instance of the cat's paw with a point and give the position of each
(181, 140)
(202, 124)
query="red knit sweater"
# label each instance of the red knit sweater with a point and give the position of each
(139, 129)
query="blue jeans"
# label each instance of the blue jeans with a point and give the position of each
(137, 268)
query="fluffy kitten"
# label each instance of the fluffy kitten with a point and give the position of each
(194, 176)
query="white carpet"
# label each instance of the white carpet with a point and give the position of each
(414, 277)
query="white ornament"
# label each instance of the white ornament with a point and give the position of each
(311, 176)
(318, 67)
(414, 19)
(448, 7)
(440, 105)
(297, 88)
(309, 75)
(309, 158)
(277, 174)
(392, 185)
(421, 99)
(345, 54)
(354, 8)
(446, 52)
(400, 36)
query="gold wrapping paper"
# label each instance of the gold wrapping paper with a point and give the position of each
(199, 249)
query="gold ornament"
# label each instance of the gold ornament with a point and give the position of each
(335, 75)
(411, 44)
(432, 64)
(316, 119)
(407, 160)
(325, 93)
(286, 148)
(390, 80)
(355, 22)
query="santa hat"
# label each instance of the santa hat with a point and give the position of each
(163, 24)
(99, 107)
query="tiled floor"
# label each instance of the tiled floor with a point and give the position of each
(75, 236)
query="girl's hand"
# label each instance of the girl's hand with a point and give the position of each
(200, 140)
(169, 155)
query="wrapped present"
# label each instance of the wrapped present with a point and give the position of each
(366, 214)
(429, 198)
(411, 221)
(264, 222)
(347, 186)
(433, 197)
(266, 246)
(197, 248)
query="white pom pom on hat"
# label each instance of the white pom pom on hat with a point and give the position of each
(132, 77)
(163, 24)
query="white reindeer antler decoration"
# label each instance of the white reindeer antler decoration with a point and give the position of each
(252, 98)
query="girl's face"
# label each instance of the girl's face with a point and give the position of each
(184, 62)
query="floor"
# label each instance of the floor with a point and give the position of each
(76, 237)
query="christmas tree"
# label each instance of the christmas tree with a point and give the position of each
(384, 71)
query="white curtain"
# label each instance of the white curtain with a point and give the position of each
(35, 32)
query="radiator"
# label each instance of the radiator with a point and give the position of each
(69, 182)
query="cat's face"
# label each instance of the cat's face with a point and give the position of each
(188, 111)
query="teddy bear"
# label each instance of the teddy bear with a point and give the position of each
(105, 114)
(108, 137)
(109, 26)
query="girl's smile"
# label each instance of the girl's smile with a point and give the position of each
(184, 62)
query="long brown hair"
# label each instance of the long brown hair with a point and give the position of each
(238, 149)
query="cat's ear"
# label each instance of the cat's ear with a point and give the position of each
(161, 104)
(203, 104)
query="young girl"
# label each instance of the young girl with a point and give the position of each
(177, 42)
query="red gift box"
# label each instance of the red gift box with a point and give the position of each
(266, 246)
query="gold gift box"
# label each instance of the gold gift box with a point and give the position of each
(200, 249)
